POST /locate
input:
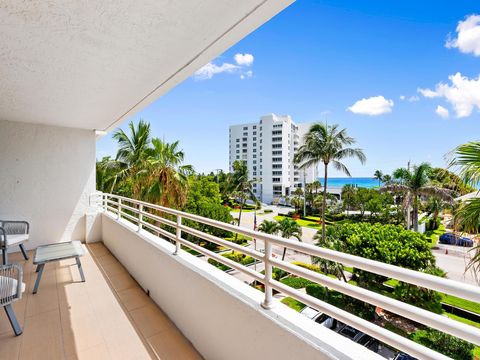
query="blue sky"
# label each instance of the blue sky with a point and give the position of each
(316, 60)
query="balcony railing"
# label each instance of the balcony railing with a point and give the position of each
(143, 214)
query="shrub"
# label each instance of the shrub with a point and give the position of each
(296, 282)
(235, 256)
(307, 266)
(444, 343)
(268, 211)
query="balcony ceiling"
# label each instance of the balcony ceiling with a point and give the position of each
(92, 64)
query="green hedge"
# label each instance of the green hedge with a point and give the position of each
(443, 343)
(296, 282)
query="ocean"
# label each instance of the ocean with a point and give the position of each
(339, 182)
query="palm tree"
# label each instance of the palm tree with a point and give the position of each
(327, 145)
(348, 196)
(166, 182)
(379, 176)
(415, 183)
(269, 227)
(466, 158)
(328, 266)
(289, 228)
(241, 186)
(133, 151)
(387, 179)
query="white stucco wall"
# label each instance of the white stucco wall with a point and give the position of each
(218, 313)
(46, 176)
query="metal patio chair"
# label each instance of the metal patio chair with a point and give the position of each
(13, 233)
(11, 289)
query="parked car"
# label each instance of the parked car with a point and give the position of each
(320, 318)
(403, 356)
(453, 239)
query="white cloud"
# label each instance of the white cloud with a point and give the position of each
(463, 93)
(243, 59)
(211, 69)
(442, 112)
(373, 106)
(413, 98)
(468, 36)
(427, 93)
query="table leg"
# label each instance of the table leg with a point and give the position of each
(39, 277)
(80, 270)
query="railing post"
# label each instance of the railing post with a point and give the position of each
(140, 217)
(178, 236)
(119, 210)
(268, 302)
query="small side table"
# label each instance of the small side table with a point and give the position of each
(56, 252)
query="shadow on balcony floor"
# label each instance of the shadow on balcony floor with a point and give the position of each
(107, 317)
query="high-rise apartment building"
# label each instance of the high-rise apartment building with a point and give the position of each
(268, 147)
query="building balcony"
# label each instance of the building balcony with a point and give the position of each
(146, 297)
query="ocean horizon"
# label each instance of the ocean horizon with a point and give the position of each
(339, 182)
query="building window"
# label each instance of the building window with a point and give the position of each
(276, 146)
(254, 126)
(237, 140)
(254, 144)
(277, 152)
(238, 145)
(254, 138)
(245, 128)
(277, 159)
(244, 139)
(277, 132)
(254, 161)
(254, 173)
(244, 145)
(276, 179)
(276, 173)
(254, 150)
(238, 157)
(244, 151)
(254, 156)
(238, 151)
(276, 166)
(276, 139)
(254, 133)
(245, 134)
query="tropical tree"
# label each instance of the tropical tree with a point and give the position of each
(415, 183)
(269, 227)
(241, 186)
(348, 196)
(328, 266)
(328, 145)
(466, 159)
(133, 152)
(379, 176)
(387, 179)
(166, 182)
(289, 228)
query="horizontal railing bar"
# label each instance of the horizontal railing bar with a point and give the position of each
(129, 216)
(255, 254)
(408, 311)
(221, 259)
(160, 219)
(432, 282)
(135, 210)
(386, 336)
(115, 211)
(159, 230)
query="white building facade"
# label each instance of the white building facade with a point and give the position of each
(268, 147)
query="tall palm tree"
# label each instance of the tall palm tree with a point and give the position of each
(415, 183)
(328, 266)
(289, 228)
(328, 145)
(378, 174)
(166, 178)
(133, 150)
(466, 159)
(387, 179)
(241, 186)
(348, 196)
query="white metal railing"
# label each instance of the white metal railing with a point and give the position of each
(143, 211)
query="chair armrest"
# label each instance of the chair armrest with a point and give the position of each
(12, 271)
(15, 226)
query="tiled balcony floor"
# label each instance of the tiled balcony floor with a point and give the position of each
(107, 317)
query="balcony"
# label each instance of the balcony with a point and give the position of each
(106, 317)
(147, 297)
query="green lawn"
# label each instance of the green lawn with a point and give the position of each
(461, 303)
(292, 303)
(301, 222)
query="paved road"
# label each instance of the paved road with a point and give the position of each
(454, 263)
